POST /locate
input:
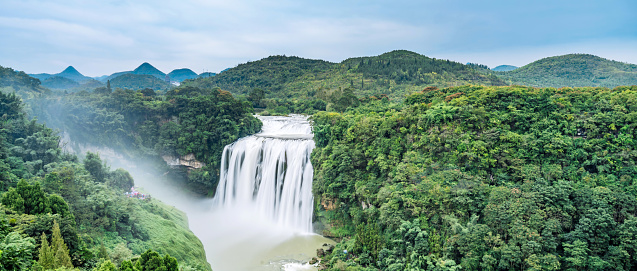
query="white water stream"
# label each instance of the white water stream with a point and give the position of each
(261, 217)
(271, 173)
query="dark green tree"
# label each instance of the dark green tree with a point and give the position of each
(93, 164)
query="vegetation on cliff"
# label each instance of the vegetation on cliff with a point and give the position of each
(186, 120)
(481, 178)
(79, 207)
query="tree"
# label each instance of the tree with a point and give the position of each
(46, 257)
(120, 179)
(150, 260)
(121, 254)
(17, 252)
(107, 266)
(13, 200)
(103, 253)
(35, 201)
(62, 258)
(255, 96)
(57, 205)
(93, 164)
(126, 266)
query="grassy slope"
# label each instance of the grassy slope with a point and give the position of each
(168, 232)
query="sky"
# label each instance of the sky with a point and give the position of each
(101, 37)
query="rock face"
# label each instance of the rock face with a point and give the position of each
(328, 204)
(187, 160)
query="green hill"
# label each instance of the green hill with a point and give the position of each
(58, 82)
(147, 69)
(395, 73)
(21, 83)
(179, 75)
(574, 70)
(69, 73)
(504, 68)
(138, 81)
(273, 74)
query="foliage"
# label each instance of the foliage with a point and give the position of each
(139, 81)
(46, 192)
(574, 70)
(142, 124)
(293, 80)
(483, 178)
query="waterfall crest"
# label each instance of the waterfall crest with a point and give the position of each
(271, 172)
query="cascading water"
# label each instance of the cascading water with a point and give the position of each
(251, 226)
(271, 172)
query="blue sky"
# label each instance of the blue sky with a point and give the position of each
(102, 37)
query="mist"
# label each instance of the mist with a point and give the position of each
(237, 237)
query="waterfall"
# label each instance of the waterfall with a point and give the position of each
(271, 172)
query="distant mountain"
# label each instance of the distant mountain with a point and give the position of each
(110, 77)
(69, 73)
(148, 69)
(206, 74)
(101, 78)
(179, 75)
(395, 73)
(504, 68)
(138, 81)
(59, 82)
(574, 70)
(144, 68)
(41, 76)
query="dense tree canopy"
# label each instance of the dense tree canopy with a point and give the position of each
(483, 178)
(50, 199)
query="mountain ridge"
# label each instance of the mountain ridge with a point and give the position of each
(574, 70)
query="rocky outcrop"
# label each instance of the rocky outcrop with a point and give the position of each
(328, 204)
(187, 160)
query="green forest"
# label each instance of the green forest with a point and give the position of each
(60, 213)
(573, 70)
(420, 163)
(144, 124)
(481, 178)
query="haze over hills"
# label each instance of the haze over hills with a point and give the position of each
(138, 81)
(574, 70)
(146, 68)
(504, 68)
(70, 73)
(179, 75)
(394, 73)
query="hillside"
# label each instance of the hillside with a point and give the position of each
(481, 178)
(504, 68)
(395, 74)
(69, 73)
(179, 75)
(58, 82)
(104, 79)
(47, 193)
(138, 81)
(271, 74)
(574, 70)
(147, 69)
(21, 83)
